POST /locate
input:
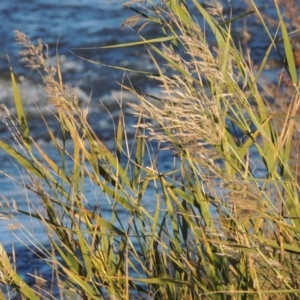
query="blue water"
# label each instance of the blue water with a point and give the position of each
(74, 24)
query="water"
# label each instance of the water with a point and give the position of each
(73, 24)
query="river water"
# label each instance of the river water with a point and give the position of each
(73, 24)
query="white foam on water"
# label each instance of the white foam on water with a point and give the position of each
(34, 98)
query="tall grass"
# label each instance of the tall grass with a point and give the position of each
(226, 221)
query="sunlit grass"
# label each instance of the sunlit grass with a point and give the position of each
(224, 223)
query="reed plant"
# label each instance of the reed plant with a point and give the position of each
(225, 220)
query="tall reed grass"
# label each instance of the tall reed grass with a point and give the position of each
(226, 221)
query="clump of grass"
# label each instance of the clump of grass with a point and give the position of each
(225, 223)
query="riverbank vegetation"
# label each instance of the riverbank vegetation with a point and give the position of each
(222, 224)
